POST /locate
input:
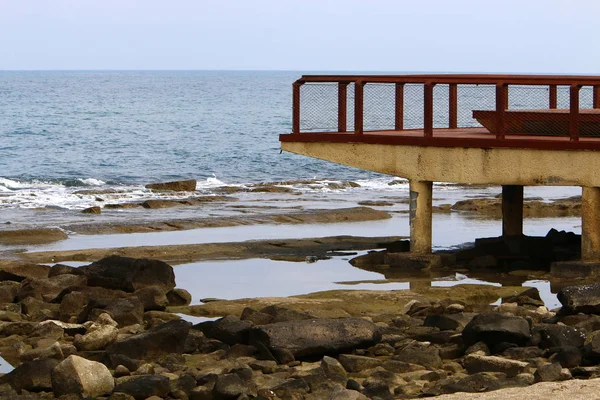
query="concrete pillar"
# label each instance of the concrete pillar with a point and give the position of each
(512, 210)
(590, 224)
(420, 216)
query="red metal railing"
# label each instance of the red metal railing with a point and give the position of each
(446, 101)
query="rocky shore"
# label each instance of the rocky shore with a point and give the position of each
(111, 329)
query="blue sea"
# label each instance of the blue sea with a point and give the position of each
(113, 132)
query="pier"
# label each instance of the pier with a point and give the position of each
(508, 130)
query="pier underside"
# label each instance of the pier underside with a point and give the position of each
(513, 168)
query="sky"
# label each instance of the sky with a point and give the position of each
(511, 36)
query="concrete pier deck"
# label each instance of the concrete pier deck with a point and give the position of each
(428, 128)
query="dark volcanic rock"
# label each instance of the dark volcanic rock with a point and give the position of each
(180, 186)
(33, 376)
(154, 343)
(549, 335)
(143, 386)
(493, 328)
(126, 311)
(179, 297)
(568, 357)
(548, 373)
(130, 274)
(429, 357)
(48, 289)
(316, 336)
(231, 386)
(152, 298)
(583, 298)
(229, 329)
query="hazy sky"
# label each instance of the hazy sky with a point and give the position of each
(373, 35)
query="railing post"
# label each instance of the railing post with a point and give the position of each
(453, 106)
(501, 104)
(574, 112)
(296, 107)
(399, 109)
(553, 93)
(596, 96)
(428, 109)
(359, 107)
(342, 105)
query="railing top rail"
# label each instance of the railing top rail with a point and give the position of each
(457, 79)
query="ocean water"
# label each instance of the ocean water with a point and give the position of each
(91, 128)
(63, 133)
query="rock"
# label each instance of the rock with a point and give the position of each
(444, 322)
(72, 304)
(346, 394)
(231, 386)
(178, 186)
(428, 357)
(152, 298)
(333, 369)
(8, 291)
(52, 351)
(567, 357)
(18, 271)
(548, 373)
(475, 363)
(143, 386)
(550, 335)
(152, 344)
(354, 363)
(76, 375)
(33, 376)
(230, 329)
(32, 236)
(179, 297)
(256, 317)
(130, 274)
(121, 370)
(125, 311)
(62, 269)
(48, 289)
(92, 210)
(494, 328)
(523, 353)
(317, 336)
(282, 314)
(580, 299)
(157, 203)
(96, 338)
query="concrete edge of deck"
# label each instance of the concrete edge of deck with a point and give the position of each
(467, 165)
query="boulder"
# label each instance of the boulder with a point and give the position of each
(550, 335)
(8, 291)
(125, 311)
(568, 357)
(33, 376)
(154, 343)
(231, 386)
(141, 387)
(493, 329)
(92, 210)
(315, 336)
(355, 363)
(130, 274)
(446, 322)
(179, 297)
(62, 269)
(18, 271)
(475, 363)
(96, 338)
(229, 329)
(549, 373)
(76, 375)
(152, 298)
(48, 289)
(580, 299)
(178, 186)
(428, 357)
(52, 351)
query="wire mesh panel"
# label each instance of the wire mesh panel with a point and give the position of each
(413, 106)
(472, 98)
(379, 106)
(441, 105)
(319, 107)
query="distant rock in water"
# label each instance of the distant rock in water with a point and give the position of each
(178, 186)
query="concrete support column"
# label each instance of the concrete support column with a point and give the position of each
(512, 210)
(420, 216)
(590, 224)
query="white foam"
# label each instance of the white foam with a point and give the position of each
(92, 182)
